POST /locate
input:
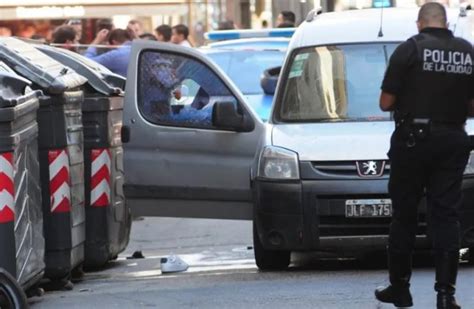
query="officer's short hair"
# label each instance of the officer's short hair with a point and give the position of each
(432, 12)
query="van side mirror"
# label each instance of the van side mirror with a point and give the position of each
(269, 80)
(225, 116)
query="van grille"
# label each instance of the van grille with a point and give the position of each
(342, 168)
(342, 226)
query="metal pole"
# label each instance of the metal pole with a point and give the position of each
(206, 24)
(245, 17)
(220, 10)
(190, 13)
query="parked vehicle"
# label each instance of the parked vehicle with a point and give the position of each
(245, 67)
(235, 34)
(314, 177)
(246, 59)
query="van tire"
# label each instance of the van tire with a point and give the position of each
(11, 294)
(269, 259)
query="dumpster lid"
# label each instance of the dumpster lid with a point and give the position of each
(98, 76)
(47, 73)
(12, 86)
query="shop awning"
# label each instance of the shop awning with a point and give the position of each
(65, 9)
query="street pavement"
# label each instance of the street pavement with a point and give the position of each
(222, 274)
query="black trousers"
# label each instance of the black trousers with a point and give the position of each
(433, 166)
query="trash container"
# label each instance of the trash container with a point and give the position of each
(60, 152)
(21, 220)
(108, 218)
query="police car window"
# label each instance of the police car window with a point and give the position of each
(245, 67)
(335, 83)
(176, 90)
(221, 59)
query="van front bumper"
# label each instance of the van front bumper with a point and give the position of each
(309, 215)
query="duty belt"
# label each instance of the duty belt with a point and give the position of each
(438, 125)
(418, 129)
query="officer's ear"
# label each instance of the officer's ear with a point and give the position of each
(419, 25)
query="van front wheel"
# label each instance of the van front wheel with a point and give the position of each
(269, 259)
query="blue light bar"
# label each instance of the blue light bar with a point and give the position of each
(381, 3)
(247, 34)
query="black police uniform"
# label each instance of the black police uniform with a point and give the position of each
(431, 77)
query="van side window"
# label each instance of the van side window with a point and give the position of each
(180, 91)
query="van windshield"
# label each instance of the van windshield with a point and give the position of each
(335, 83)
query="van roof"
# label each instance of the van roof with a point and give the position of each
(356, 26)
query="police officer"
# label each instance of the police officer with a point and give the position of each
(429, 86)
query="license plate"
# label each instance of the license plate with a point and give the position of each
(375, 208)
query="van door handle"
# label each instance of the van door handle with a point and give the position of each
(125, 134)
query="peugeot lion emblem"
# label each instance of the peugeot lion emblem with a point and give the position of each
(370, 168)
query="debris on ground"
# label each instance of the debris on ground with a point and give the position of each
(136, 255)
(173, 264)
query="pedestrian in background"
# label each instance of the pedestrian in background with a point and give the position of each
(40, 38)
(163, 33)
(104, 23)
(429, 150)
(226, 25)
(77, 25)
(5, 31)
(147, 36)
(286, 19)
(66, 36)
(180, 34)
(136, 27)
(117, 59)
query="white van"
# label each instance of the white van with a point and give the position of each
(315, 176)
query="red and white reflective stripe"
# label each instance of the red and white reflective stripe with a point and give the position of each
(59, 187)
(7, 188)
(100, 177)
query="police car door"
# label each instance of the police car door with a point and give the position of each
(189, 136)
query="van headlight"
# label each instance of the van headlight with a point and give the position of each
(470, 165)
(278, 163)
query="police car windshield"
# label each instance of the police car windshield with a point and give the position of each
(335, 83)
(245, 67)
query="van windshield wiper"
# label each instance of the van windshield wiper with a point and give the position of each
(331, 119)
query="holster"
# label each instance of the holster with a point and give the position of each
(413, 130)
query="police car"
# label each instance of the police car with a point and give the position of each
(315, 176)
(244, 55)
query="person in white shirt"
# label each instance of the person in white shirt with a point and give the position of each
(180, 35)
